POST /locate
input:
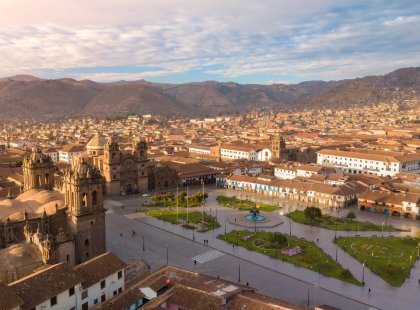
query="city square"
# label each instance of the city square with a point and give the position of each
(215, 263)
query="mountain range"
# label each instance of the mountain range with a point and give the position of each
(25, 96)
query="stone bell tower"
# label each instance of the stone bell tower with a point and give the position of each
(83, 186)
(278, 146)
(38, 171)
(111, 166)
(140, 151)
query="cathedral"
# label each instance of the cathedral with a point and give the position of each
(67, 226)
(125, 171)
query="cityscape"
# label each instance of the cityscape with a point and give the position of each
(184, 155)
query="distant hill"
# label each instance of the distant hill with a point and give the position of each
(123, 99)
(26, 96)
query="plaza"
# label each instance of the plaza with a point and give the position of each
(164, 242)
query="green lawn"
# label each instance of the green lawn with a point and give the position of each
(313, 258)
(343, 224)
(387, 257)
(194, 219)
(172, 203)
(244, 205)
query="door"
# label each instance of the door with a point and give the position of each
(85, 306)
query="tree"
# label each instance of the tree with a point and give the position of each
(351, 215)
(169, 195)
(312, 213)
(181, 196)
(278, 239)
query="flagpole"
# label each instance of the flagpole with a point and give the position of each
(187, 203)
(177, 203)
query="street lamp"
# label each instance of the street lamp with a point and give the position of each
(225, 225)
(315, 295)
(335, 236)
(418, 250)
(290, 226)
(202, 205)
(193, 229)
(239, 272)
(143, 244)
(383, 229)
(336, 251)
(363, 273)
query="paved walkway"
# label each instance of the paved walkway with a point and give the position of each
(382, 296)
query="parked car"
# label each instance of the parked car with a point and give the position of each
(146, 195)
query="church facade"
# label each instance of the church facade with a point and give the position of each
(66, 227)
(125, 171)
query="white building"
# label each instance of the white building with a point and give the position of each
(379, 163)
(285, 172)
(61, 286)
(67, 152)
(264, 154)
(199, 149)
(232, 152)
(53, 153)
(245, 151)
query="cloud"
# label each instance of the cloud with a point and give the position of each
(224, 39)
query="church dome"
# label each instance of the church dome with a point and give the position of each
(96, 143)
(83, 170)
(38, 157)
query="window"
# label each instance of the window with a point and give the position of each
(120, 290)
(119, 274)
(115, 293)
(95, 301)
(103, 298)
(87, 242)
(53, 301)
(102, 284)
(68, 258)
(84, 294)
(71, 291)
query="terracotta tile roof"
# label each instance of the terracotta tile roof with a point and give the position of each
(8, 298)
(383, 157)
(45, 284)
(194, 299)
(99, 267)
(70, 148)
(255, 301)
(390, 197)
(122, 301)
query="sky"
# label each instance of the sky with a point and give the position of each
(245, 41)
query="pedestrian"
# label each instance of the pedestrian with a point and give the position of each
(121, 235)
(218, 277)
(235, 219)
(369, 290)
(195, 262)
(419, 281)
(247, 284)
(317, 239)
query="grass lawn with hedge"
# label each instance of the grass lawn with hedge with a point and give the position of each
(337, 223)
(387, 257)
(312, 257)
(245, 205)
(189, 220)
